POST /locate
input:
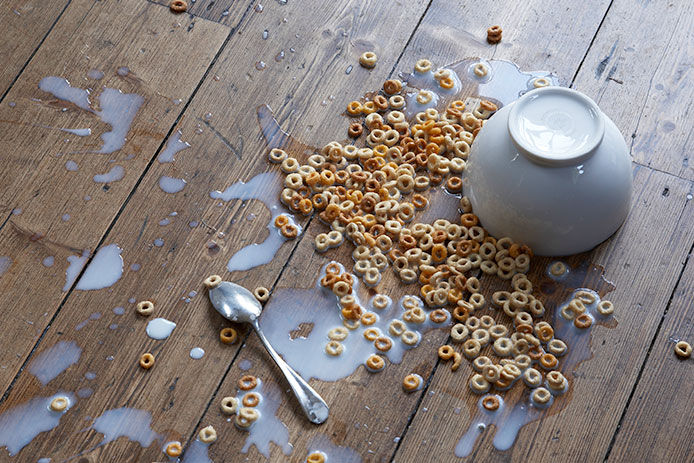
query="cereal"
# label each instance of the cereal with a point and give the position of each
(250, 399)
(383, 343)
(261, 293)
(532, 377)
(541, 82)
(480, 363)
(457, 360)
(410, 338)
(247, 382)
(334, 348)
(583, 321)
(491, 403)
(211, 281)
(605, 308)
(368, 59)
(459, 332)
(207, 435)
(478, 384)
(246, 417)
(228, 335)
(229, 405)
(173, 449)
(471, 348)
(59, 404)
(541, 396)
(178, 6)
(494, 34)
(147, 360)
(411, 382)
(338, 333)
(145, 308)
(375, 363)
(445, 352)
(315, 457)
(683, 349)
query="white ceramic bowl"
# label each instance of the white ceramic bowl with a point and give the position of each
(552, 171)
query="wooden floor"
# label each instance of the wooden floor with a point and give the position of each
(199, 73)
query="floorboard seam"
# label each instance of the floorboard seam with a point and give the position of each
(123, 206)
(407, 44)
(26, 63)
(648, 354)
(590, 45)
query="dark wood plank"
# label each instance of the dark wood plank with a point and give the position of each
(24, 25)
(227, 146)
(638, 70)
(56, 220)
(659, 417)
(221, 11)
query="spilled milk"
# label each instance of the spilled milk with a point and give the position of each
(54, 360)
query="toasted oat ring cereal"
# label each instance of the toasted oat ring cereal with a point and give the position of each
(145, 308)
(246, 417)
(375, 362)
(480, 69)
(411, 382)
(315, 457)
(478, 384)
(605, 308)
(355, 130)
(247, 382)
(548, 361)
(368, 318)
(207, 435)
(541, 82)
(368, 59)
(491, 403)
(229, 405)
(472, 348)
(585, 296)
(494, 34)
(459, 332)
(212, 281)
(541, 396)
(392, 86)
(583, 321)
(457, 361)
(555, 380)
(422, 66)
(480, 363)
(334, 348)
(683, 349)
(174, 449)
(383, 343)
(228, 335)
(251, 399)
(445, 352)
(532, 377)
(410, 338)
(371, 334)
(59, 404)
(178, 6)
(338, 333)
(147, 361)
(261, 293)
(396, 327)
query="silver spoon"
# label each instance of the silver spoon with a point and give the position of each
(238, 304)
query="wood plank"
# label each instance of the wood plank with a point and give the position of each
(56, 220)
(221, 11)
(598, 393)
(662, 396)
(321, 54)
(24, 25)
(369, 412)
(641, 55)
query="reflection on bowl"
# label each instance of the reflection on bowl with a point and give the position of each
(552, 171)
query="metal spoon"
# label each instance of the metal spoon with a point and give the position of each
(238, 304)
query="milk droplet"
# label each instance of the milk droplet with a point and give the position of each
(123, 71)
(65, 217)
(196, 353)
(104, 270)
(47, 261)
(75, 267)
(118, 310)
(260, 65)
(95, 74)
(173, 146)
(158, 242)
(160, 328)
(132, 423)
(115, 174)
(171, 185)
(266, 34)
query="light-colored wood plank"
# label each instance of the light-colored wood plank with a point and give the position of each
(329, 41)
(657, 425)
(638, 70)
(602, 384)
(56, 221)
(221, 11)
(24, 25)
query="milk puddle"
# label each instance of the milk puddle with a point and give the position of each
(264, 187)
(104, 270)
(172, 147)
(333, 453)
(54, 360)
(288, 310)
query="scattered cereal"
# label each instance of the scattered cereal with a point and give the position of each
(228, 335)
(207, 435)
(178, 6)
(145, 308)
(315, 457)
(261, 293)
(494, 34)
(59, 404)
(368, 59)
(683, 349)
(147, 361)
(212, 281)
(229, 405)
(174, 449)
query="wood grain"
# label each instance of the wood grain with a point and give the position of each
(659, 416)
(227, 12)
(24, 25)
(36, 181)
(226, 147)
(637, 69)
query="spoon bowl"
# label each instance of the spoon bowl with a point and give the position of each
(239, 305)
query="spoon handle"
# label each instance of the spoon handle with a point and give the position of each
(314, 406)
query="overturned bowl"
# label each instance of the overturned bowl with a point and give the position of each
(552, 171)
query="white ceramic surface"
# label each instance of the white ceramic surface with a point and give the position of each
(552, 171)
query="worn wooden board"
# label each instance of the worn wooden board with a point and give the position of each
(602, 384)
(321, 55)
(658, 418)
(638, 68)
(56, 218)
(24, 25)
(226, 12)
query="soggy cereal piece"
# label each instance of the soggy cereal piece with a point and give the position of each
(261, 293)
(334, 348)
(59, 404)
(541, 396)
(229, 405)
(250, 399)
(247, 382)
(491, 403)
(494, 34)
(145, 308)
(315, 457)
(338, 333)
(556, 381)
(532, 378)
(210, 282)
(178, 6)
(147, 361)
(683, 349)
(457, 361)
(424, 97)
(173, 449)
(480, 69)
(392, 86)
(583, 321)
(410, 338)
(368, 59)
(375, 363)
(411, 382)
(383, 343)
(228, 335)
(541, 82)
(246, 417)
